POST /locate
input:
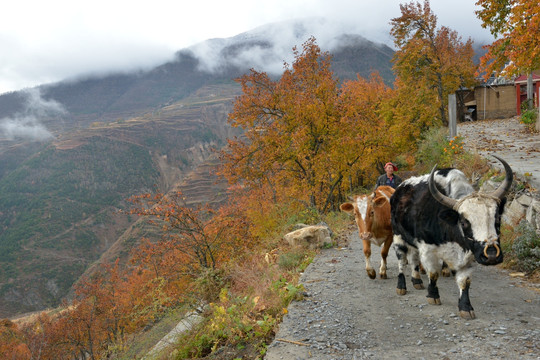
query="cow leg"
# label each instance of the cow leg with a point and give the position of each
(433, 291)
(367, 254)
(415, 270)
(401, 253)
(446, 272)
(384, 254)
(466, 311)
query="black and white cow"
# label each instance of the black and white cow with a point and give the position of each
(438, 217)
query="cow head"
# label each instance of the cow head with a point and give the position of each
(477, 217)
(368, 210)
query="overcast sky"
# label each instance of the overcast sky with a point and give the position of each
(47, 41)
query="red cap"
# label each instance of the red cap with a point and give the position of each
(389, 163)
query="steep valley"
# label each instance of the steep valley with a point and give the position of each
(76, 185)
(106, 138)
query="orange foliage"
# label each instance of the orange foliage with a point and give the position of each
(12, 342)
(517, 24)
(430, 62)
(194, 238)
(305, 138)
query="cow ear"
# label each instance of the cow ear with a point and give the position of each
(379, 201)
(347, 207)
(449, 216)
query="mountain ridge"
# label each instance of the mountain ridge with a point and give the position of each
(118, 136)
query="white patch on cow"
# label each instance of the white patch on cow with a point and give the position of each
(481, 212)
(415, 180)
(386, 196)
(462, 277)
(377, 241)
(455, 183)
(451, 253)
(368, 263)
(362, 205)
(398, 240)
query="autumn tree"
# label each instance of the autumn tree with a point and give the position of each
(44, 338)
(303, 136)
(12, 342)
(196, 233)
(516, 27)
(431, 62)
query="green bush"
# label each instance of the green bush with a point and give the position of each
(528, 117)
(290, 260)
(526, 248)
(436, 148)
(232, 321)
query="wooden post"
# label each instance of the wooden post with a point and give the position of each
(529, 91)
(452, 118)
(538, 116)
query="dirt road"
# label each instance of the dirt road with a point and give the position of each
(345, 315)
(509, 139)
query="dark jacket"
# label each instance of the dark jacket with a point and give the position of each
(383, 180)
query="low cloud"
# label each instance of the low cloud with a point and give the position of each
(27, 124)
(268, 47)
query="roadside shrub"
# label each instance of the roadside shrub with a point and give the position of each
(295, 260)
(528, 117)
(526, 248)
(232, 321)
(305, 216)
(436, 148)
(290, 260)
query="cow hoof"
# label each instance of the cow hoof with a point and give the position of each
(433, 301)
(446, 272)
(417, 283)
(371, 273)
(467, 315)
(401, 291)
(383, 276)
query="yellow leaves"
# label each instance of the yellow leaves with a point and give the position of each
(517, 24)
(431, 61)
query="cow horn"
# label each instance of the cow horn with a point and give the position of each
(443, 199)
(502, 190)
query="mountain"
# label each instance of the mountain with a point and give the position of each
(72, 152)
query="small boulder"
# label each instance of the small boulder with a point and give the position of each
(310, 237)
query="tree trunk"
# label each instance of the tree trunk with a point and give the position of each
(530, 101)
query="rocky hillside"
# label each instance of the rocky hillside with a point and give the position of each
(72, 152)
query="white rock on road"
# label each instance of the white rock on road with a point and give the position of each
(345, 315)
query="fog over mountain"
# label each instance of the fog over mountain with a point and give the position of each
(25, 125)
(268, 47)
(59, 39)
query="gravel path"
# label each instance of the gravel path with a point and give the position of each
(509, 139)
(345, 315)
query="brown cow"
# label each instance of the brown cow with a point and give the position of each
(372, 215)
